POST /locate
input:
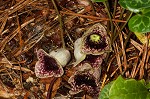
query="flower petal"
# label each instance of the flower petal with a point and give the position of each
(79, 56)
(47, 66)
(85, 80)
(95, 40)
(95, 60)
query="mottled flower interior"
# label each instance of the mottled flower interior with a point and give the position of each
(93, 44)
(47, 66)
(50, 64)
(96, 43)
(95, 40)
(94, 60)
(85, 79)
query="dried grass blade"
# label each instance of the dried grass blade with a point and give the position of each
(12, 35)
(118, 57)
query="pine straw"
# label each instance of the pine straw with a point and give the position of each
(28, 25)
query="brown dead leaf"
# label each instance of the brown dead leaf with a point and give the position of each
(70, 72)
(56, 84)
(46, 80)
(87, 97)
(53, 87)
(4, 93)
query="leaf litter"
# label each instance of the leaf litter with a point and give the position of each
(28, 25)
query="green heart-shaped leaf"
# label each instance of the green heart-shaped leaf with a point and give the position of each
(148, 86)
(104, 94)
(135, 5)
(141, 22)
(148, 96)
(128, 89)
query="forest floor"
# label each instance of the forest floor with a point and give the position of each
(29, 25)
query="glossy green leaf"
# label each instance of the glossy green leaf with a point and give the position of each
(141, 22)
(148, 96)
(104, 94)
(135, 5)
(128, 89)
(148, 86)
(98, 0)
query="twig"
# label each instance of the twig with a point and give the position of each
(120, 17)
(89, 16)
(118, 57)
(127, 39)
(116, 35)
(123, 48)
(3, 23)
(20, 76)
(93, 9)
(123, 53)
(12, 35)
(143, 61)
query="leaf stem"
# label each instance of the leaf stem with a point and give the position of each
(115, 6)
(115, 30)
(122, 27)
(109, 15)
(61, 23)
(120, 17)
(127, 39)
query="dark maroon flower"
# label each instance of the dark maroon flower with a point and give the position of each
(95, 40)
(95, 60)
(85, 79)
(49, 65)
